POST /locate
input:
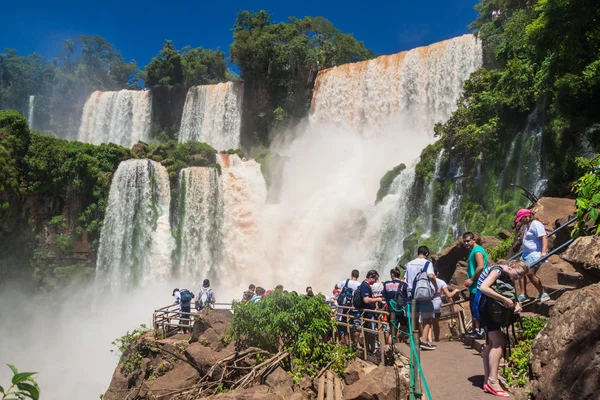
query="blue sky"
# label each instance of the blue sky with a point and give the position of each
(138, 29)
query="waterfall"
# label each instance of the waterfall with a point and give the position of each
(200, 223)
(136, 242)
(122, 117)
(244, 195)
(212, 114)
(418, 87)
(430, 194)
(30, 112)
(449, 211)
(387, 224)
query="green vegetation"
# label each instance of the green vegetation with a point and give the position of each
(23, 386)
(501, 252)
(279, 64)
(130, 348)
(271, 163)
(386, 181)
(516, 372)
(188, 67)
(587, 189)
(288, 322)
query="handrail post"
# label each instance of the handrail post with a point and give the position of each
(416, 340)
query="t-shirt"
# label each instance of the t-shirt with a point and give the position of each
(441, 286)
(391, 287)
(414, 267)
(473, 265)
(377, 289)
(486, 273)
(351, 284)
(532, 238)
(365, 291)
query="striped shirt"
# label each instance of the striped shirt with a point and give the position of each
(486, 272)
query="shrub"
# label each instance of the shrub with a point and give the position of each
(64, 243)
(517, 370)
(501, 251)
(131, 348)
(22, 386)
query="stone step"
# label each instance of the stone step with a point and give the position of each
(475, 344)
(555, 291)
(542, 309)
(574, 279)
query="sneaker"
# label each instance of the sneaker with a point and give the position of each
(521, 298)
(425, 345)
(543, 297)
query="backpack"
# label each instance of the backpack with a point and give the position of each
(203, 298)
(494, 309)
(401, 296)
(345, 298)
(422, 288)
(186, 297)
(357, 300)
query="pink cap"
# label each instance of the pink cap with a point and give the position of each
(523, 212)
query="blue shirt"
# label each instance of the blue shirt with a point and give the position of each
(366, 291)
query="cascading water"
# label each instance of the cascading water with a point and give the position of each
(430, 194)
(449, 223)
(200, 223)
(30, 112)
(244, 195)
(387, 223)
(212, 114)
(136, 242)
(420, 87)
(122, 117)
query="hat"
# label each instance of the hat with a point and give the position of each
(336, 290)
(523, 212)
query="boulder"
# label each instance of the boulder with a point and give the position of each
(211, 339)
(379, 384)
(584, 255)
(445, 261)
(549, 209)
(489, 242)
(279, 378)
(180, 377)
(219, 320)
(565, 356)
(354, 371)
(503, 234)
(201, 356)
(460, 275)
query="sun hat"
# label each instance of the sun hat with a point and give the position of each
(523, 212)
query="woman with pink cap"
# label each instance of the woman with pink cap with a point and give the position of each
(535, 246)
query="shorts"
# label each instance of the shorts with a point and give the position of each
(489, 325)
(437, 305)
(425, 308)
(355, 321)
(532, 258)
(471, 301)
(437, 315)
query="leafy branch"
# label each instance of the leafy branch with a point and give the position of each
(22, 386)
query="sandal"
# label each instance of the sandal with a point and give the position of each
(498, 393)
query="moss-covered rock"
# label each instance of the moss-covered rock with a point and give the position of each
(386, 181)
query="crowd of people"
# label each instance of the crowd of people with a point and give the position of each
(354, 301)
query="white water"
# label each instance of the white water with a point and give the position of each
(200, 223)
(212, 114)
(244, 196)
(122, 117)
(429, 195)
(30, 112)
(449, 212)
(136, 242)
(420, 85)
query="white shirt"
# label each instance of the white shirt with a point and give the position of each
(414, 267)
(351, 284)
(532, 238)
(441, 286)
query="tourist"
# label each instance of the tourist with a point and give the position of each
(347, 288)
(492, 352)
(477, 262)
(390, 292)
(309, 291)
(206, 296)
(279, 288)
(535, 246)
(260, 292)
(250, 291)
(184, 298)
(415, 269)
(368, 302)
(434, 334)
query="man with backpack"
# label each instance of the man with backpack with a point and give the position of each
(397, 291)
(184, 298)
(344, 299)
(364, 300)
(422, 287)
(206, 296)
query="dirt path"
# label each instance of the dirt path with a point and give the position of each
(454, 372)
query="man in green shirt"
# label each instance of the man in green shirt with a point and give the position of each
(477, 262)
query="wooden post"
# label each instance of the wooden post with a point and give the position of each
(416, 340)
(382, 343)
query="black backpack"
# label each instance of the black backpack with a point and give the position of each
(345, 297)
(357, 300)
(401, 296)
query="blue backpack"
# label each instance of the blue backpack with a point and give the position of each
(186, 297)
(345, 296)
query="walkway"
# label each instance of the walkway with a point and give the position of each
(454, 372)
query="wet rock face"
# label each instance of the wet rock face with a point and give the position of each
(565, 357)
(584, 255)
